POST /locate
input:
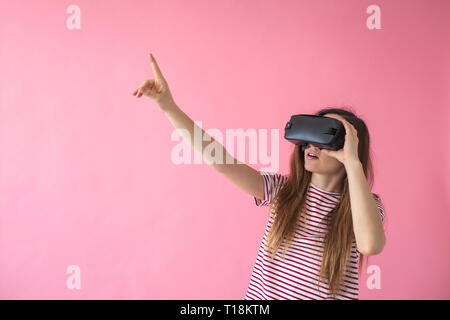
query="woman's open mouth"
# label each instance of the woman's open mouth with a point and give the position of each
(311, 156)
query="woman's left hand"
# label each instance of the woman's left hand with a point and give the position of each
(349, 152)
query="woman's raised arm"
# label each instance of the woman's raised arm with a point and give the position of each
(242, 175)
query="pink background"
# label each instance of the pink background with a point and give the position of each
(86, 176)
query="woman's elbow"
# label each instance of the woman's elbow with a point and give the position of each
(374, 249)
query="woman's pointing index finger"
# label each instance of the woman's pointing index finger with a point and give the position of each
(155, 67)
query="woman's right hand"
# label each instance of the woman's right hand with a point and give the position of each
(157, 88)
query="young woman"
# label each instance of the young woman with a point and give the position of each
(322, 214)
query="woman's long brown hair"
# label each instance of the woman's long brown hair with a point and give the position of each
(288, 207)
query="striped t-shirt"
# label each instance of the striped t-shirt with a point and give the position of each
(295, 276)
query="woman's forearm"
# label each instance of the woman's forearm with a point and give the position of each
(367, 225)
(187, 127)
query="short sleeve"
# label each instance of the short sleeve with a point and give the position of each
(272, 184)
(380, 207)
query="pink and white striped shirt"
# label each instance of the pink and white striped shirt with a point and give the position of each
(295, 277)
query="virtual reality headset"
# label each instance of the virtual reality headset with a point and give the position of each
(323, 132)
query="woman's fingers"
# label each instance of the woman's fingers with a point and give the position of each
(139, 93)
(151, 84)
(155, 67)
(156, 88)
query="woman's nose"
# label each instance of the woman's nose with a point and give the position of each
(307, 145)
